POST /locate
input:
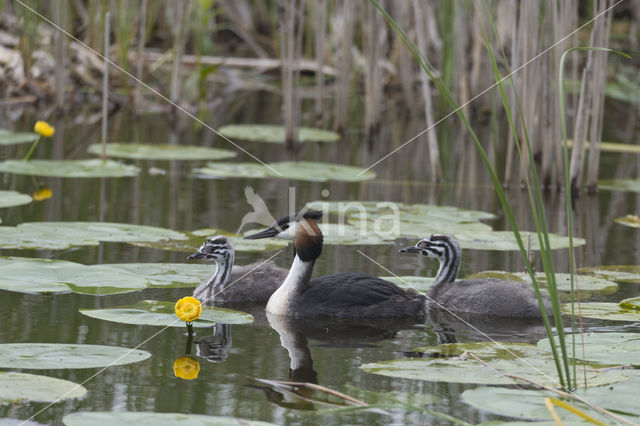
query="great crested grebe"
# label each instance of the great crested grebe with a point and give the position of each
(478, 296)
(249, 284)
(343, 295)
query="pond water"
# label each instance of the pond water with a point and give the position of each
(178, 200)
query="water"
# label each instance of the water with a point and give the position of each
(181, 201)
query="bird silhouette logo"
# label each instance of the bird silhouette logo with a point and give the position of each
(260, 213)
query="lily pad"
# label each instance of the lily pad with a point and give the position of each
(139, 151)
(422, 284)
(505, 240)
(630, 185)
(8, 137)
(20, 387)
(296, 170)
(521, 359)
(275, 134)
(604, 311)
(619, 273)
(610, 348)
(65, 356)
(168, 274)
(621, 398)
(630, 220)
(586, 283)
(69, 168)
(151, 312)
(13, 198)
(345, 234)
(63, 235)
(631, 303)
(107, 418)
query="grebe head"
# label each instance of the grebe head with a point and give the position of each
(302, 228)
(441, 246)
(216, 248)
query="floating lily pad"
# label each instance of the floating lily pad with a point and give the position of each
(619, 273)
(630, 185)
(275, 134)
(173, 275)
(139, 151)
(62, 235)
(621, 398)
(631, 303)
(13, 198)
(610, 348)
(604, 311)
(8, 137)
(586, 283)
(20, 387)
(62, 356)
(107, 418)
(422, 284)
(69, 168)
(630, 220)
(521, 359)
(297, 170)
(505, 240)
(344, 234)
(151, 312)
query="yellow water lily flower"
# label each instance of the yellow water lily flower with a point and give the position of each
(44, 129)
(186, 368)
(188, 309)
(42, 194)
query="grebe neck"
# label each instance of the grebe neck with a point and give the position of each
(449, 265)
(220, 279)
(294, 285)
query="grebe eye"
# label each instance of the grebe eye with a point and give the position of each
(285, 226)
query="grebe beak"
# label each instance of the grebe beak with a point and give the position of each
(267, 233)
(412, 249)
(196, 255)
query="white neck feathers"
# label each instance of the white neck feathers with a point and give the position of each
(294, 285)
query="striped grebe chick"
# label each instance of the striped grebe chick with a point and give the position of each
(488, 296)
(249, 284)
(342, 295)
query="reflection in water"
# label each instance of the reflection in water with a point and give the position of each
(215, 348)
(186, 367)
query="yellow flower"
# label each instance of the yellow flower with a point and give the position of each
(186, 368)
(42, 194)
(43, 128)
(188, 309)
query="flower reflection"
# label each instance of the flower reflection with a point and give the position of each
(186, 368)
(42, 194)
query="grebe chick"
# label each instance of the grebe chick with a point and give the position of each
(249, 284)
(478, 296)
(343, 295)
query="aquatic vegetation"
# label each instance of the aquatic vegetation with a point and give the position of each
(69, 168)
(186, 368)
(52, 356)
(142, 418)
(631, 303)
(42, 194)
(44, 129)
(619, 273)
(275, 134)
(13, 198)
(604, 311)
(607, 348)
(586, 283)
(139, 151)
(8, 137)
(630, 220)
(422, 284)
(630, 185)
(23, 387)
(188, 309)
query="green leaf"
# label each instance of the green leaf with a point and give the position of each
(630, 220)
(173, 275)
(66, 356)
(8, 137)
(69, 168)
(422, 284)
(631, 303)
(603, 311)
(20, 387)
(630, 185)
(151, 312)
(345, 234)
(586, 283)
(139, 151)
(619, 273)
(275, 134)
(141, 418)
(609, 348)
(13, 198)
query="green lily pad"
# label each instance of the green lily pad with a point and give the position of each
(603, 310)
(69, 168)
(13, 198)
(586, 283)
(630, 220)
(506, 241)
(422, 284)
(139, 151)
(8, 137)
(297, 170)
(345, 234)
(630, 185)
(610, 348)
(275, 134)
(151, 312)
(621, 398)
(521, 359)
(63, 235)
(138, 418)
(174, 275)
(631, 303)
(20, 387)
(64, 356)
(619, 273)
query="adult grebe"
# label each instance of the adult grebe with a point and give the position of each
(343, 295)
(479, 296)
(249, 284)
